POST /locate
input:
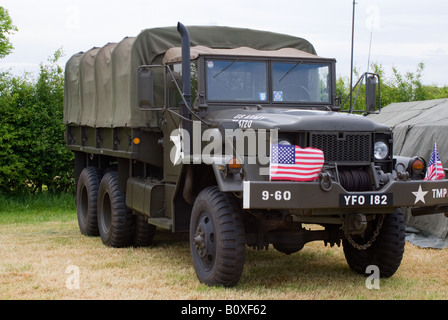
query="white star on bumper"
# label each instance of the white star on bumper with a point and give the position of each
(420, 195)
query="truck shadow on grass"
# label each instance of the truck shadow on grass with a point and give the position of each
(315, 266)
(309, 268)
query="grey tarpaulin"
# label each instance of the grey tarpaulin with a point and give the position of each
(425, 239)
(416, 126)
(101, 84)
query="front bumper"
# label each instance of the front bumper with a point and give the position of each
(312, 199)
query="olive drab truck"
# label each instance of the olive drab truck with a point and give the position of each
(237, 137)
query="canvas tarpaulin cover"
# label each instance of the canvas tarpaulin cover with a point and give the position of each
(101, 84)
(416, 127)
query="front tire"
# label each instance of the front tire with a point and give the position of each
(386, 252)
(217, 238)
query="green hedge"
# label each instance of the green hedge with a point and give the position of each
(33, 156)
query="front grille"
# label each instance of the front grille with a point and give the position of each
(344, 148)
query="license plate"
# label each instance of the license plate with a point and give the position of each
(366, 199)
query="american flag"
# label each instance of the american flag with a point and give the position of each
(435, 168)
(289, 162)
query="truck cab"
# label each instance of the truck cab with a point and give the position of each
(233, 77)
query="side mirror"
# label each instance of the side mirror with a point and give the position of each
(371, 82)
(145, 87)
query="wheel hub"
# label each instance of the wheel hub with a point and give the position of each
(204, 241)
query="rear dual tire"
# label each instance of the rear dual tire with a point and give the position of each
(101, 210)
(115, 221)
(86, 200)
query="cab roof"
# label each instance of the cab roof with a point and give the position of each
(174, 54)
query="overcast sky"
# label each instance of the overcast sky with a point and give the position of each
(404, 32)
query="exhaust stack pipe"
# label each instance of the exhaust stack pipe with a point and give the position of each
(185, 36)
(185, 106)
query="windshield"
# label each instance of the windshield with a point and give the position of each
(247, 81)
(234, 80)
(300, 82)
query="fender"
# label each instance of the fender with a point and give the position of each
(227, 182)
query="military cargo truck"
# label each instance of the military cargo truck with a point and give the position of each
(237, 137)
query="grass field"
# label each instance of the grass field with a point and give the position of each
(43, 256)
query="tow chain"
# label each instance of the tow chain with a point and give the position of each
(372, 239)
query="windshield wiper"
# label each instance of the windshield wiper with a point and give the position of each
(290, 70)
(227, 67)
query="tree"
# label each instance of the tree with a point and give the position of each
(6, 29)
(398, 88)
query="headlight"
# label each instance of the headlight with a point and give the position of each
(381, 150)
